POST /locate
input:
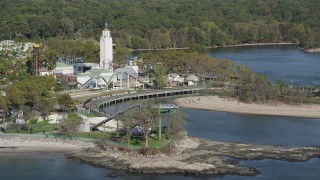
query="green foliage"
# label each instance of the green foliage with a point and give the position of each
(66, 102)
(141, 24)
(33, 121)
(69, 124)
(176, 124)
(92, 135)
(3, 104)
(29, 90)
(36, 128)
(159, 75)
(251, 87)
(146, 118)
(120, 55)
(183, 62)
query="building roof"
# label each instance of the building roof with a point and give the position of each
(62, 65)
(192, 78)
(97, 72)
(128, 70)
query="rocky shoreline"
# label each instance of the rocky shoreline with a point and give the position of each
(194, 156)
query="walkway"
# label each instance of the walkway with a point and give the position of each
(96, 104)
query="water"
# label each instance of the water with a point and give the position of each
(253, 129)
(53, 167)
(277, 62)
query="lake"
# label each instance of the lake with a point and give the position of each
(284, 62)
(277, 62)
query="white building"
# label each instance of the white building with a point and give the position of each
(106, 50)
(175, 79)
(63, 69)
(192, 80)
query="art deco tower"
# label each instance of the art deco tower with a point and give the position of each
(106, 49)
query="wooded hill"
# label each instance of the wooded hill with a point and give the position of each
(164, 23)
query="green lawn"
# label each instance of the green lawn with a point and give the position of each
(39, 127)
(92, 135)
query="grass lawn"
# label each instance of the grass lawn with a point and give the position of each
(92, 135)
(152, 143)
(40, 127)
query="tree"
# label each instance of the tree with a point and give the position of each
(66, 26)
(48, 58)
(128, 122)
(3, 104)
(159, 75)
(145, 117)
(66, 102)
(121, 54)
(175, 125)
(69, 124)
(45, 104)
(15, 97)
(146, 122)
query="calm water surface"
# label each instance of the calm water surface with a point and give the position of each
(277, 62)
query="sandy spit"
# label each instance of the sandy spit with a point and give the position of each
(216, 103)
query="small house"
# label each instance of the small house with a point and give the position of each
(192, 80)
(175, 79)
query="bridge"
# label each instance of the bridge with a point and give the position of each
(95, 127)
(95, 104)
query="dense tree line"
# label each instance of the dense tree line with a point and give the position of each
(183, 62)
(35, 96)
(167, 23)
(251, 87)
(239, 80)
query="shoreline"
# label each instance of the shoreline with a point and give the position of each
(189, 156)
(210, 47)
(196, 157)
(313, 50)
(13, 146)
(215, 103)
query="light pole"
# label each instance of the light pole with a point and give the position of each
(159, 131)
(171, 108)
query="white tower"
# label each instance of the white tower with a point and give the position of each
(106, 49)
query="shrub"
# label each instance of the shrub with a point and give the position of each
(33, 121)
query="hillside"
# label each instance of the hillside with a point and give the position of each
(164, 23)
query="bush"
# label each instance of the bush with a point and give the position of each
(33, 121)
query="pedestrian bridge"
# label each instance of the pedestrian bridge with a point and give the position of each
(95, 104)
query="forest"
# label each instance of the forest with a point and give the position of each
(150, 24)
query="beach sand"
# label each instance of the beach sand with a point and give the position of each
(15, 145)
(217, 103)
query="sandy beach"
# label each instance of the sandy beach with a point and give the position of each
(15, 145)
(232, 105)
